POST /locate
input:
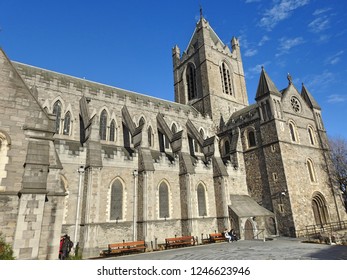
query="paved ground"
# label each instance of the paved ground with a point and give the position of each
(279, 249)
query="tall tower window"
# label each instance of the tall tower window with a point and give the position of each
(103, 125)
(293, 133)
(163, 201)
(311, 135)
(225, 78)
(57, 113)
(191, 81)
(311, 171)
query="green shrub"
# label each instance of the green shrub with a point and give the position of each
(6, 252)
(75, 257)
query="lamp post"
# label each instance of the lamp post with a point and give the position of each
(80, 173)
(135, 173)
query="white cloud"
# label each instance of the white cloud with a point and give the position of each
(251, 52)
(323, 38)
(320, 81)
(334, 58)
(286, 44)
(255, 70)
(263, 40)
(336, 98)
(321, 21)
(251, 1)
(321, 11)
(243, 41)
(319, 24)
(280, 11)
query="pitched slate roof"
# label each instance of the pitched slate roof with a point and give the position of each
(307, 96)
(245, 206)
(48, 75)
(213, 35)
(266, 86)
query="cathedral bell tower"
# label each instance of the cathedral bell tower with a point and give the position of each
(208, 75)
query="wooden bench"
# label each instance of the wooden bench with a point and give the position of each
(125, 247)
(179, 241)
(217, 237)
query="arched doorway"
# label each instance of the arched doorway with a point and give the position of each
(270, 224)
(249, 230)
(320, 210)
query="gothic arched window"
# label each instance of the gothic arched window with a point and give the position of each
(251, 139)
(293, 133)
(116, 208)
(103, 125)
(112, 131)
(311, 170)
(191, 82)
(225, 78)
(4, 147)
(226, 147)
(57, 113)
(163, 201)
(67, 123)
(150, 136)
(142, 121)
(311, 135)
(201, 200)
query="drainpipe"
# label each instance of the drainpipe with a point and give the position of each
(135, 173)
(80, 173)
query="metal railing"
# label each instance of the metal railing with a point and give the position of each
(319, 229)
(255, 236)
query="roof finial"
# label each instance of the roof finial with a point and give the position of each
(201, 16)
(289, 77)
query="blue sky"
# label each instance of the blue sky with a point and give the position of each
(128, 44)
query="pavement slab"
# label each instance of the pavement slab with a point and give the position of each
(281, 248)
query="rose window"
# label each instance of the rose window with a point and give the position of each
(295, 105)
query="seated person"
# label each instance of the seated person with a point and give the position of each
(226, 235)
(233, 235)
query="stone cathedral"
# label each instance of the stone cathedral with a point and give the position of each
(103, 164)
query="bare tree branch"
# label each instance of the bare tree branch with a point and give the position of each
(338, 147)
